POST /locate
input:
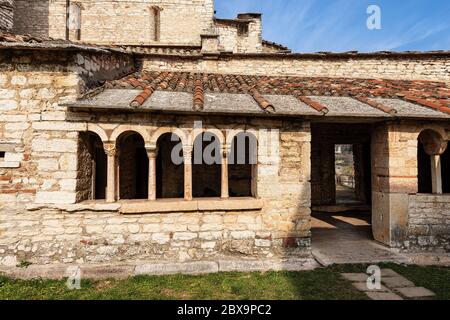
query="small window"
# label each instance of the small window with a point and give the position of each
(74, 21)
(155, 13)
(243, 30)
(2, 155)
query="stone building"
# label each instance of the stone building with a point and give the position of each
(95, 96)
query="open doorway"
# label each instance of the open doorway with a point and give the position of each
(341, 184)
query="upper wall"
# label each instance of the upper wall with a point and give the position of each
(396, 67)
(117, 21)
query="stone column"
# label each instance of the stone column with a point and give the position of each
(434, 146)
(436, 174)
(117, 174)
(187, 155)
(110, 150)
(224, 184)
(152, 155)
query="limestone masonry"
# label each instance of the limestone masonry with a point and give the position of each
(92, 94)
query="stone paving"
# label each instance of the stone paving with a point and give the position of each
(393, 286)
(347, 238)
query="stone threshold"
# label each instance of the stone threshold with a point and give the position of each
(121, 271)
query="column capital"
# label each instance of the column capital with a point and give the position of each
(226, 148)
(152, 152)
(434, 144)
(187, 153)
(110, 149)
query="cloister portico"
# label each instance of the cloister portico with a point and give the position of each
(101, 159)
(187, 139)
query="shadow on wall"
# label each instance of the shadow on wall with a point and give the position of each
(31, 17)
(6, 14)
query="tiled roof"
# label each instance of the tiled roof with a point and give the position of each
(13, 41)
(275, 45)
(323, 96)
(9, 40)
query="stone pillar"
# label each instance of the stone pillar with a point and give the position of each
(152, 155)
(187, 155)
(436, 174)
(110, 150)
(224, 179)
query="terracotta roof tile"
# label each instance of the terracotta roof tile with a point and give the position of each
(429, 94)
(313, 104)
(149, 84)
(199, 96)
(376, 105)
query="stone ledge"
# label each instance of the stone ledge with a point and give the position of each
(166, 206)
(119, 271)
(96, 207)
(430, 198)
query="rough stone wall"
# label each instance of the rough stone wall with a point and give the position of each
(45, 144)
(429, 221)
(228, 35)
(6, 15)
(181, 21)
(280, 229)
(232, 40)
(32, 87)
(426, 68)
(32, 17)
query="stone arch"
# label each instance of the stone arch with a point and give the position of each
(169, 169)
(231, 134)
(99, 131)
(124, 128)
(207, 172)
(242, 164)
(133, 166)
(165, 130)
(198, 131)
(92, 166)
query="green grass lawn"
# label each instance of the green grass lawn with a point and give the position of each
(318, 284)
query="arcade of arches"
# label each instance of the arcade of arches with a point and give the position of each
(130, 170)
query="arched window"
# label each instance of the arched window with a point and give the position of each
(133, 166)
(206, 166)
(155, 23)
(169, 167)
(91, 171)
(242, 166)
(74, 21)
